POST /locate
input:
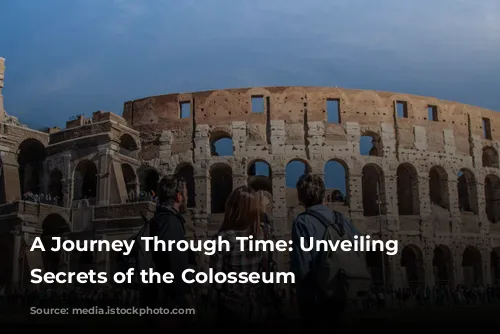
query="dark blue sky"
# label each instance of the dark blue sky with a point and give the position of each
(69, 57)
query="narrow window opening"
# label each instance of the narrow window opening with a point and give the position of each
(333, 111)
(402, 109)
(432, 113)
(258, 104)
(185, 109)
(487, 128)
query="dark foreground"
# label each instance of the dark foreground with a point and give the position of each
(421, 318)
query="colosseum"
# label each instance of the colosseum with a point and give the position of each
(417, 169)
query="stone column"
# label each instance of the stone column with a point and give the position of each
(391, 201)
(355, 195)
(103, 175)
(459, 270)
(486, 263)
(428, 253)
(17, 235)
(10, 173)
(424, 195)
(456, 216)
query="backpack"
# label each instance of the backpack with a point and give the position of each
(339, 275)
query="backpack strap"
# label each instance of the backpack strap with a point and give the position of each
(337, 224)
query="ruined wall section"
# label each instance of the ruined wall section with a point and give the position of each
(293, 125)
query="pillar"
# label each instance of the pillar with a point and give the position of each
(103, 175)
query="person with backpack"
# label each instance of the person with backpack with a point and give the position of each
(169, 224)
(326, 281)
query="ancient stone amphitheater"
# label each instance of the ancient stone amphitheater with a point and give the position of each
(427, 175)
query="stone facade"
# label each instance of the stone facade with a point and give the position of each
(431, 179)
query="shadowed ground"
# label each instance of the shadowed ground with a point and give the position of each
(442, 318)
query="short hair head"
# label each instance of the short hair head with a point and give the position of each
(310, 190)
(170, 189)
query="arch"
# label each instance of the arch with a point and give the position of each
(56, 186)
(380, 268)
(149, 183)
(260, 176)
(407, 189)
(412, 261)
(85, 180)
(442, 263)
(495, 266)
(259, 168)
(472, 266)
(492, 198)
(370, 144)
(221, 144)
(336, 177)
(186, 171)
(128, 143)
(31, 155)
(467, 191)
(373, 189)
(490, 157)
(294, 170)
(130, 179)
(221, 186)
(438, 187)
(54, 224)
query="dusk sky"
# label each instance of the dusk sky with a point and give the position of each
(71, 57)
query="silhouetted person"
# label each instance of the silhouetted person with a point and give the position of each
(315, 311)
(168, 224)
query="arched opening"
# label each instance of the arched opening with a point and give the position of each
(53, 225)
(30, 159)
(221, 185)
(56, 186)
(373, 187)
(221, 144)
(490, 157)
(130, 179)
(85, 181)
(128, 143)
(438, 187)
(471, 264)
(370, 144)
(149, 184)
(412, 262)
(186, 171)
(408, 195)
(467, 191)
(336, 177)
(380, 268)
(442, 263)
(495, 266)
(492, 198)
(294, 170)
(260, 177)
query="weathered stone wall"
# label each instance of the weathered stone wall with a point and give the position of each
(294, 126)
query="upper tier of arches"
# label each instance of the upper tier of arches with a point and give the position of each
(260, 105)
